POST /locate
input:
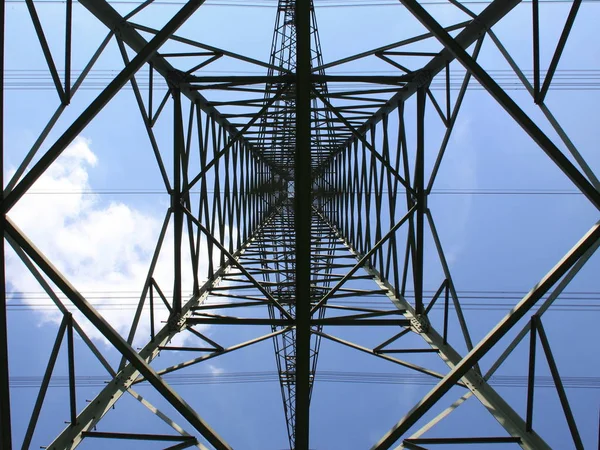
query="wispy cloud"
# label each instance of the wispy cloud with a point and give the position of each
(215, 370)
(103, 248)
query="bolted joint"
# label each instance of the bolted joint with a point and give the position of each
(420, 323)
(422, 197)
(122, 29)
(483, 29)
(176, 322)
(475, 380)
(176, 201)
(175, 78)
(422, 78)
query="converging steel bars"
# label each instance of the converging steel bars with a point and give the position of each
(298, 202)
(303, 215)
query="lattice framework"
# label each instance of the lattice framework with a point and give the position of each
(308, 192)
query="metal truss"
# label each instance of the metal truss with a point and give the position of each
(290, 192)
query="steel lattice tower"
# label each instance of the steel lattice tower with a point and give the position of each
(279, 143)
(291, 192)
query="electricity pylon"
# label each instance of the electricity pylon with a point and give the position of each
(289, 193)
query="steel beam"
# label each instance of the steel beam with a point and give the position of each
(467, 363)
(210, 48)
(5, 422)
(71, 437)
(559, 49)
(176, 198)
(421, 199)
(562, 395)
(71, 367)
(535, 12)
(385, 48)
(494, 403)
(530, 378)
(374, 152)
(44, 385)
(218, 352)
(363, 260)
(131, 36)
(457, 50)
(539, 312)
(467, 440)
(298, 277)
(369, 351)
(241, 268)
(558, 290)
(137, 436)
(114, 338)
(158, 413)
(473, 31)
(61, 108)
(39, 30)
(303, 218)
(144, 55)
(59, 304)
(563, 136)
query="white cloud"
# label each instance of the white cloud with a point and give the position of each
(104, 249)
(214, 370)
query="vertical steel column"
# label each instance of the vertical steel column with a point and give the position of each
(420, 199)
(176, 207)
(71, 358)
(5, 431)
(303, 213)
(535, 12)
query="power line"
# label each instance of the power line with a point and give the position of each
(475, 301)
(318, 3)
(325, 376)
(563, 79)
(441, 191)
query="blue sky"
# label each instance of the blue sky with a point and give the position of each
(494, 242)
